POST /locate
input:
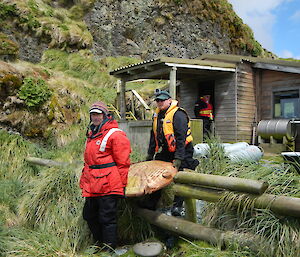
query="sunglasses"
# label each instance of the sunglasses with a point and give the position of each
(160, 100)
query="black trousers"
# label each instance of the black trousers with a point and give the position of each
(206, 125)
(101, 215)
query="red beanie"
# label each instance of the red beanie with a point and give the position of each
(99, 107)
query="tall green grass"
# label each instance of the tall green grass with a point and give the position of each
(83, 65)
(13, 150)
(279, 235)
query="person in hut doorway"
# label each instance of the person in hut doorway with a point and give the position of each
(204, 110)
(170, 141)
(104, 176)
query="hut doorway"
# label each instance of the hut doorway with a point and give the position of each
(207, 88)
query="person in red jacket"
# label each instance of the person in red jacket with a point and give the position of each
(104, 176)
(204, 110)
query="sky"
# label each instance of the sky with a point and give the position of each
(275, 23)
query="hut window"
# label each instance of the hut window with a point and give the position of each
(287, 104)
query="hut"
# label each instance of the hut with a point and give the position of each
(244, 90)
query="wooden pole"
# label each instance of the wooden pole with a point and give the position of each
(230, 183)
(196, 231)
(190, 209)
(283, 205)
(132, 103)
(118, 94)
(122, 100)
(172, 85)
(45, 162)
(181, 226)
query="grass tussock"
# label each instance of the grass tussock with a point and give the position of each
(13, 151)
(83, 65)
(280, 235)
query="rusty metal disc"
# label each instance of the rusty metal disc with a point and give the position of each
(147, 177)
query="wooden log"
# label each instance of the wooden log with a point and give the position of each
(283, 205)
(230, 183)
(45, 162)
(181, 226)
(199, 232)
(190, 209)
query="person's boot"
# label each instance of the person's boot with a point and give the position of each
(171, 241)
(176, 211)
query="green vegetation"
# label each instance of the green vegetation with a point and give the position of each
(61, 27)
(279, 235)
(82, 65)
(34, 92)
(41, 207)
(7, 11)
(7, 46)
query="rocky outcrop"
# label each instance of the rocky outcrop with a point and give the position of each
(146, 29)
(136, 28)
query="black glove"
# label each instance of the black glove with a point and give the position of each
(149, 157)
(176, 163)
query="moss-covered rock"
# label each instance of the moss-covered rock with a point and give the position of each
(7, 46)
(10, 81)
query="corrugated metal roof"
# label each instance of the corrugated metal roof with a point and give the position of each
(163, 60)
(240, 58)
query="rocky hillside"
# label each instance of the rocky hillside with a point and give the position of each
(139, 28)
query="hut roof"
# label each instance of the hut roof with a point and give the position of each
(159, 68)
(258, 62)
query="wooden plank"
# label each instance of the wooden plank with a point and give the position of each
(246, 97)
(233, 119)
(241, 108)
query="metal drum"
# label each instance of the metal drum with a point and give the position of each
(277, 129)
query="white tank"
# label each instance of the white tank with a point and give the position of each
(251, 153)
(235, 147)
(201, 150)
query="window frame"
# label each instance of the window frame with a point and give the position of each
(284, 90)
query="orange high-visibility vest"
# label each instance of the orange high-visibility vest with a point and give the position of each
(206, 112)
(168, 128)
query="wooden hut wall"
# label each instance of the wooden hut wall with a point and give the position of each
(188, 96)
(246, 102)
(225, 108)
(269, 82)
(224, 104)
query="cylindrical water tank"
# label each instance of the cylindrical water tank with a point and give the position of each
(251, 153)
(276, 128)
(201, 150)
(235, 147)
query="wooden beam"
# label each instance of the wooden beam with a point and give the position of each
(122, 100)
(231, 183)
(283, 205)
(155, 74)
(45, 162)
(172, 85)
(276, 67)
(137, 95)
(196, 231)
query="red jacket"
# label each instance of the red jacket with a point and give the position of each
(106, 164)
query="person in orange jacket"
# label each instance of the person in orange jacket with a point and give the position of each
(204, 110)
(171, 141)
(104, 176)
